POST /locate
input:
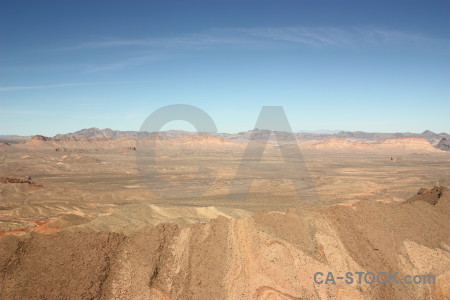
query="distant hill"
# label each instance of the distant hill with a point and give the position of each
(322, 131)
(432, 137)
(444, 144)
(95, 133)
(107, 133)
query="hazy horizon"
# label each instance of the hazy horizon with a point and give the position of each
(319, 131)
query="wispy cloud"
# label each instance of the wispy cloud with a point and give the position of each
(257, 37)
(300, 35)
(150, 50)
(131, 62)
(10, 112)
(60, 85)
(385, 36)
(213, 37)
(42, 68)
(136, 52)
(337, 37)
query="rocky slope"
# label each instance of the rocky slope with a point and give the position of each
(267, 255)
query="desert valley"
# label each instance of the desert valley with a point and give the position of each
(79, 219)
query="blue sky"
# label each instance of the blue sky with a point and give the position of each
(346, 65)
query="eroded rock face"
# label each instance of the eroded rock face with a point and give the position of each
(444, 144)
(16, 180)
(430, 196)
(40, 138)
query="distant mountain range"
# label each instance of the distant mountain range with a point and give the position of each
(438, 140)
(433, 138)
(95, 133)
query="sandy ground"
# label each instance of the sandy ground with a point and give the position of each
(83, 223)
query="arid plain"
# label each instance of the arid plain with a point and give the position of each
(80, 219)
